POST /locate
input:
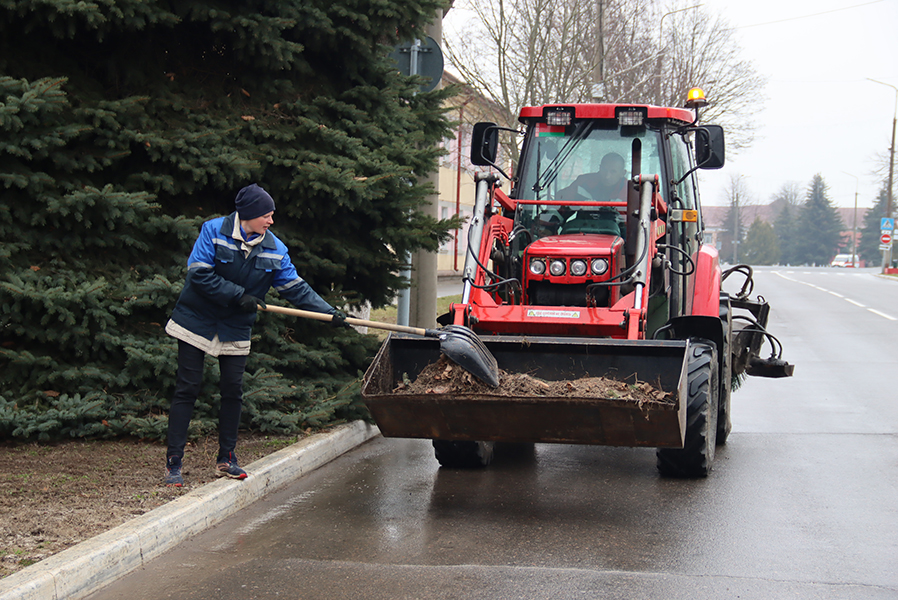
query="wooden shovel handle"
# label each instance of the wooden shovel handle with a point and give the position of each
(307, 314)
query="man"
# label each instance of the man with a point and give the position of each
(610, 183)
(234, 262)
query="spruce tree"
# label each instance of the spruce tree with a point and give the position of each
(125, 124)
(733, 234)
(819, 228)
(868, 246)
(761, 246)
(786, 203)
(785, 228)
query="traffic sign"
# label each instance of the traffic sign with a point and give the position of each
(885, 239)
(420, 57)
(887, 224)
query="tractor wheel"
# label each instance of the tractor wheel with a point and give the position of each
(724, 423)
(725, 377)
(697, 454)
(463, 455)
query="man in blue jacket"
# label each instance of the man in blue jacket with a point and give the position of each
(234, 262)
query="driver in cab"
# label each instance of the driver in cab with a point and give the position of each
(610, 183)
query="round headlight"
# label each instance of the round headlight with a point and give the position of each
(537, 267)
(599, 266)
(557, 267)
(578, 267)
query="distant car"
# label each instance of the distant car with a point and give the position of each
(843, 260)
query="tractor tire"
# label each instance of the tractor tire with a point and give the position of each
(725, 377)
(463, 455)
(695, 458)
(724, 422)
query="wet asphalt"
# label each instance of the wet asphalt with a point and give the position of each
(802, 501)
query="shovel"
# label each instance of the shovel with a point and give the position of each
(458, 343)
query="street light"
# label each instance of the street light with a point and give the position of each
(661, 43)
(854, 227)
(887, 254)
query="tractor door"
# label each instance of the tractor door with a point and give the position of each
(685, 231)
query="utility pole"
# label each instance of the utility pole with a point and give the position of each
(598, 72)
(662, 46)
(887, 254)
(736, 228)
(854, 227)
(423, 293)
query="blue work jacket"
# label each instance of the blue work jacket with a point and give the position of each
(219, 273)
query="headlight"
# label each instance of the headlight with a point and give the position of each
(557, 267)
(578, 267)
(537, 266)
(599, 266)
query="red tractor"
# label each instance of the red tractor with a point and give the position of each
(593, 265)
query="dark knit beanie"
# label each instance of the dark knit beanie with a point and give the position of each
(252, 201)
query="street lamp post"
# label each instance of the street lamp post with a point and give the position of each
(887, 254)
(660, 100)
(854, 226)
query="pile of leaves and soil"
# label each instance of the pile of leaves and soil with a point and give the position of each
(53, 496)
(446, 377)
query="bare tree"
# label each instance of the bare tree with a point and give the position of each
(702, 52)
(742, 210)
(519, 52)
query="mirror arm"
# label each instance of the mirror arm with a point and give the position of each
(698, 165)
(494, 165)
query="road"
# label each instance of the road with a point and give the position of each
(802, 502)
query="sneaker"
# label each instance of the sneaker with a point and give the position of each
(173, 472)
(227, 467)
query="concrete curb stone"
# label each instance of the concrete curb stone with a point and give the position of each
(86, 567)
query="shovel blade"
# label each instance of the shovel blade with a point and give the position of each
(463, 347)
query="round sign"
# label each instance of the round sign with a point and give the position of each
(886, 238)
(428, 60)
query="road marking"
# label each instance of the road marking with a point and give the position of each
(882, 314)
(817, 287)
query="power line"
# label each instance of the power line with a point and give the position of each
(826, 12)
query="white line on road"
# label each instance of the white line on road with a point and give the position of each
(882, 314)
(817, 287)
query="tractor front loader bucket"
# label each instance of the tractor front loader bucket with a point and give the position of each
(491, 415)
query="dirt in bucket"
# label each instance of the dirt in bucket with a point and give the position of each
(446, 377)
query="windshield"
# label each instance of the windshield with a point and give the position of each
(589, 160)
(586, 163)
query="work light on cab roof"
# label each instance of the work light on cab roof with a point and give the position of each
(559, 116)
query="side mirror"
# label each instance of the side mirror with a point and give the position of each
(484, 144)
(709, 147)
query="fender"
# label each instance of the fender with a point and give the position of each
(705, 292)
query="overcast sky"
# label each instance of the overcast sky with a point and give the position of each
(821, 114)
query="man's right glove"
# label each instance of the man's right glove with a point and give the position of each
(250, 304)
(339, 319)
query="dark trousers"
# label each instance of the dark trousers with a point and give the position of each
(187, 388)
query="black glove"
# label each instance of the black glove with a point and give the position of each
(339, 319)
(250, 304)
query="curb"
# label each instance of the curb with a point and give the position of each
(86, 567)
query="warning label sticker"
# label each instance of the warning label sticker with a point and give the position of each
(554, 314)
